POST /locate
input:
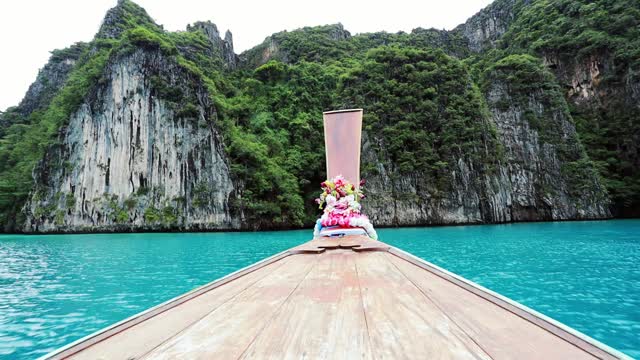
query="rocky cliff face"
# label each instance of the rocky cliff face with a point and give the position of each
(412, 200)
(591, 48)
(129, 159)
(144, 149)
(539, 160)
(487, 26)
(604, 95)
(287, 47)
(531, 183)
(219, 47)
(50, 79)
(589, 87)
(121, 17)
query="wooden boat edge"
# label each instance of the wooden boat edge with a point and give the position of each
(120, 326)
(565, 332)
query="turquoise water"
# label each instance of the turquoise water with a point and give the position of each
(56, 289)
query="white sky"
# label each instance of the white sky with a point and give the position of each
(29, 29)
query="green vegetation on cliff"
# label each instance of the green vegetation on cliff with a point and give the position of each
(528, 80)
(25, 141)
(426, 108)
(602, 39)
(425, 95)
(274, 137)
(578, 28)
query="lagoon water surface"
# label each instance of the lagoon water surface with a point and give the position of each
(55, 289)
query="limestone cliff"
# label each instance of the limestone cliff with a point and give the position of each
(130, 160)
(50, 79)
(287, 47)
(485, 28)
(544, 173)
(220, 47)
(144, 129)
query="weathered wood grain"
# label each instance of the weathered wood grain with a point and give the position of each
(157, 329)
(227, 331)
(338, 298)
(328, 242)
(323, 318)
(498, 331)
(403, 323)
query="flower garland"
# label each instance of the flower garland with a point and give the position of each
(341, 202)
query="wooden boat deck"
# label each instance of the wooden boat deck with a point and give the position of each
(339, 299)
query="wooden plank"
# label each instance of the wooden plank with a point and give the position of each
(487, 323)
(310, 247)
(157, 329)
(227, 331)
(329, 242)
(351, 241)
(343, 242)
(403, 323)
(306, 306)
(323, 318)
(372, 245)
(573, 344)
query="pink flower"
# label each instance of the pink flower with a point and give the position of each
(341, 209)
